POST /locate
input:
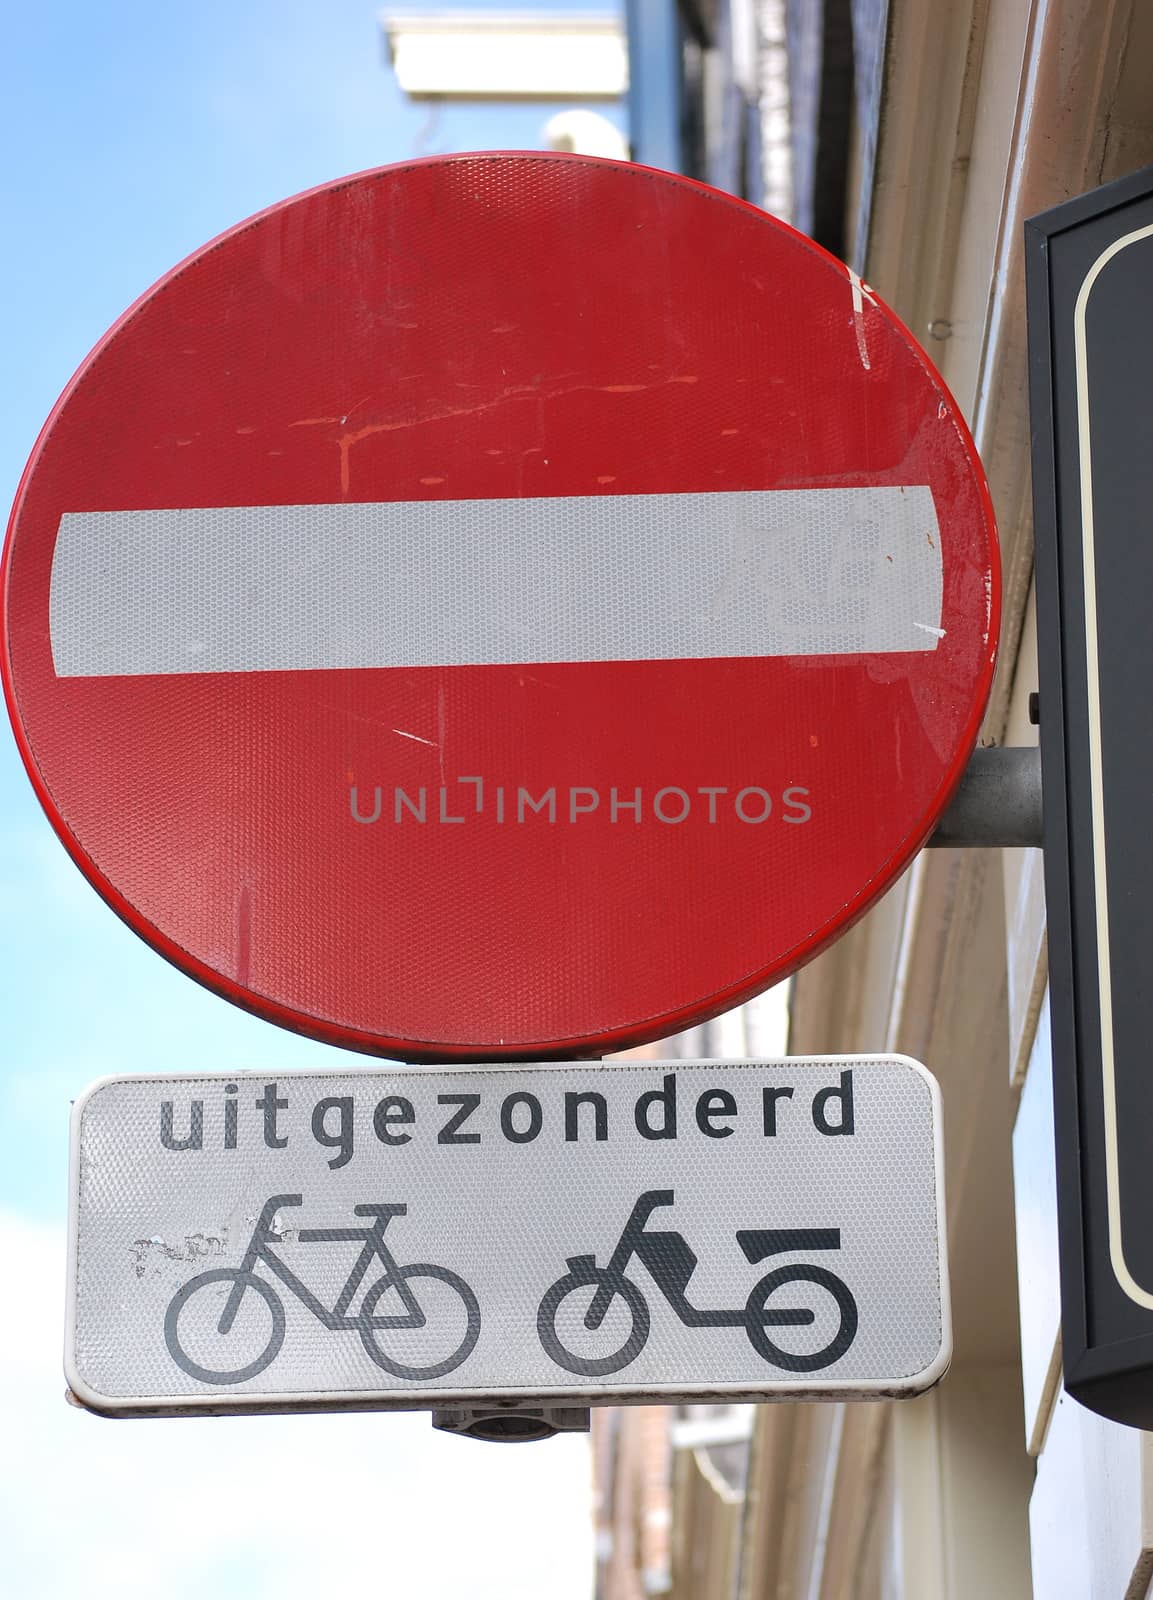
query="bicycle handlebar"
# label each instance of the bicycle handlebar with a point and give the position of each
(651, 1201)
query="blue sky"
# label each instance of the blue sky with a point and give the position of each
(130, 134)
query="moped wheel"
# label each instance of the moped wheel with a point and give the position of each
(758, 1314)
(200, 1326)
(573, 1283)
(452, 1324)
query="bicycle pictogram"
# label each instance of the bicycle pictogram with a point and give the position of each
(670, 1262)
(447, 1325)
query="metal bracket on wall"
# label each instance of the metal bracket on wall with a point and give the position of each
(511, 1422)
(997, 804)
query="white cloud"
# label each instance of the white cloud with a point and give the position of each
(261, 1507)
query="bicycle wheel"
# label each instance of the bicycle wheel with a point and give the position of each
(572, 1284)
(451, 1322)
(200, 1328)
(757, 1315)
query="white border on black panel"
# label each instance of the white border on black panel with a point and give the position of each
(1121, 1271)
(603, 1394)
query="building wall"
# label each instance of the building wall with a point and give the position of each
(995, 1484)
(633, 1496)
(967, 117)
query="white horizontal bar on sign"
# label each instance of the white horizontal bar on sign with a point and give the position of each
(647, 577)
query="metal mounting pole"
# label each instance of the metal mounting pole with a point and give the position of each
(998, 803)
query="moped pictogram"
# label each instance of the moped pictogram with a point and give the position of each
(670, 1262)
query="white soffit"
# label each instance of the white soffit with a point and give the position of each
(509, 56)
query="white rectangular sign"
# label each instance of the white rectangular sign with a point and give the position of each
(636, 577)
(419, 1237)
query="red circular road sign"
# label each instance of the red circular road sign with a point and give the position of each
(498, 606)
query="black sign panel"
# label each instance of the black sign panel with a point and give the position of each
(1090, 281)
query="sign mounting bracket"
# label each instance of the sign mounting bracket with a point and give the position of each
(512, 1423)
(997, 804)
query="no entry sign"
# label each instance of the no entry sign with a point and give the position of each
(499, 606)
